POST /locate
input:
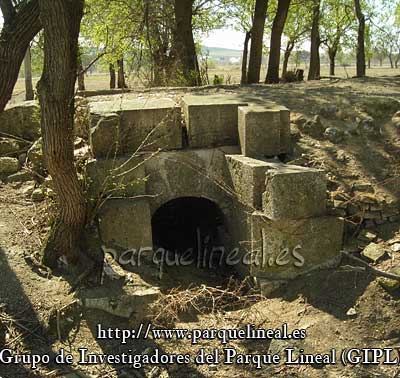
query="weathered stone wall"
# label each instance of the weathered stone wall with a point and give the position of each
(225, 150)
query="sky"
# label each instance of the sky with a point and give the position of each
(227, 38)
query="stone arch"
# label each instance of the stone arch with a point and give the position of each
(192, 226)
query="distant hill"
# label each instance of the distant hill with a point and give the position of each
(219, 52)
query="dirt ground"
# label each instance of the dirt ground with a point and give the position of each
(339, 308)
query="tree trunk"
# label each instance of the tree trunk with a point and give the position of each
(61, 22)
(288, 52)
(81, 75)
(361, 68)
(19, 28)
(121, 74)
(256, 47)
(112, 76)
(390, 56)
(332, 57)
(314, 72)
(184, 46)
(243, 79)
(276, 39)
(29, 95)
(369, 63)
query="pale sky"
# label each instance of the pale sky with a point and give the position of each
(227, 38)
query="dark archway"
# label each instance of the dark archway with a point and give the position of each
(191, 230)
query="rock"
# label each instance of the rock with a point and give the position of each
(298, 119)
(396, 247)
(363, 187)
(334, 135)
(20, 177)
(22, 120)
(329, 111)
(8, 166)
(8, 147)
(352, 312)
(37, 195)
(342, 156)
(28, 189)
(374, 252)
(367, 236)
(22, 158)
(396, 120)
(267, 287)
(35, 157)
(368, 127)
(389, 284)
(313, 127)
(134, 306)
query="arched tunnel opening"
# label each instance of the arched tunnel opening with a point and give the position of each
(189, 231)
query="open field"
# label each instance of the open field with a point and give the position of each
(231, 74)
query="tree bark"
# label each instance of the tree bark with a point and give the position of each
(184, 46)
(276, 39)
(243, 79)
(288, 52)
(332, 57)
(121, 74)
(61, 22)
(29, 95)
(256, 47)
(314, 72)
(112, 76)
(19, 29)
(81, 74)
(361, 67)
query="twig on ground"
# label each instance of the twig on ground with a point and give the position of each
(370, 269)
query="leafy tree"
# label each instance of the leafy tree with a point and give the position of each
(298, 25)
(337, 18)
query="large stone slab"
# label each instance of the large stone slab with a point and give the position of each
(144, 125)
(259, 131)
(126, 224)
(212, 120)
(288, 248)
(248, 179)
(119, 177)
(294, 192)
(22, 120)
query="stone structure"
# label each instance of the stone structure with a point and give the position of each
(223, 149)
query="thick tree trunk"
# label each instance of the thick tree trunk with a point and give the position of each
(276, 39)
(361, 69)
(19, 28)
(29, 95)
(332, 57)
(256, 47)
(184, 46)
(314, 72)
(288, 52)
(61, 22)
(121, 74)
(81, 75)
(112, 76)
(243, 79)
